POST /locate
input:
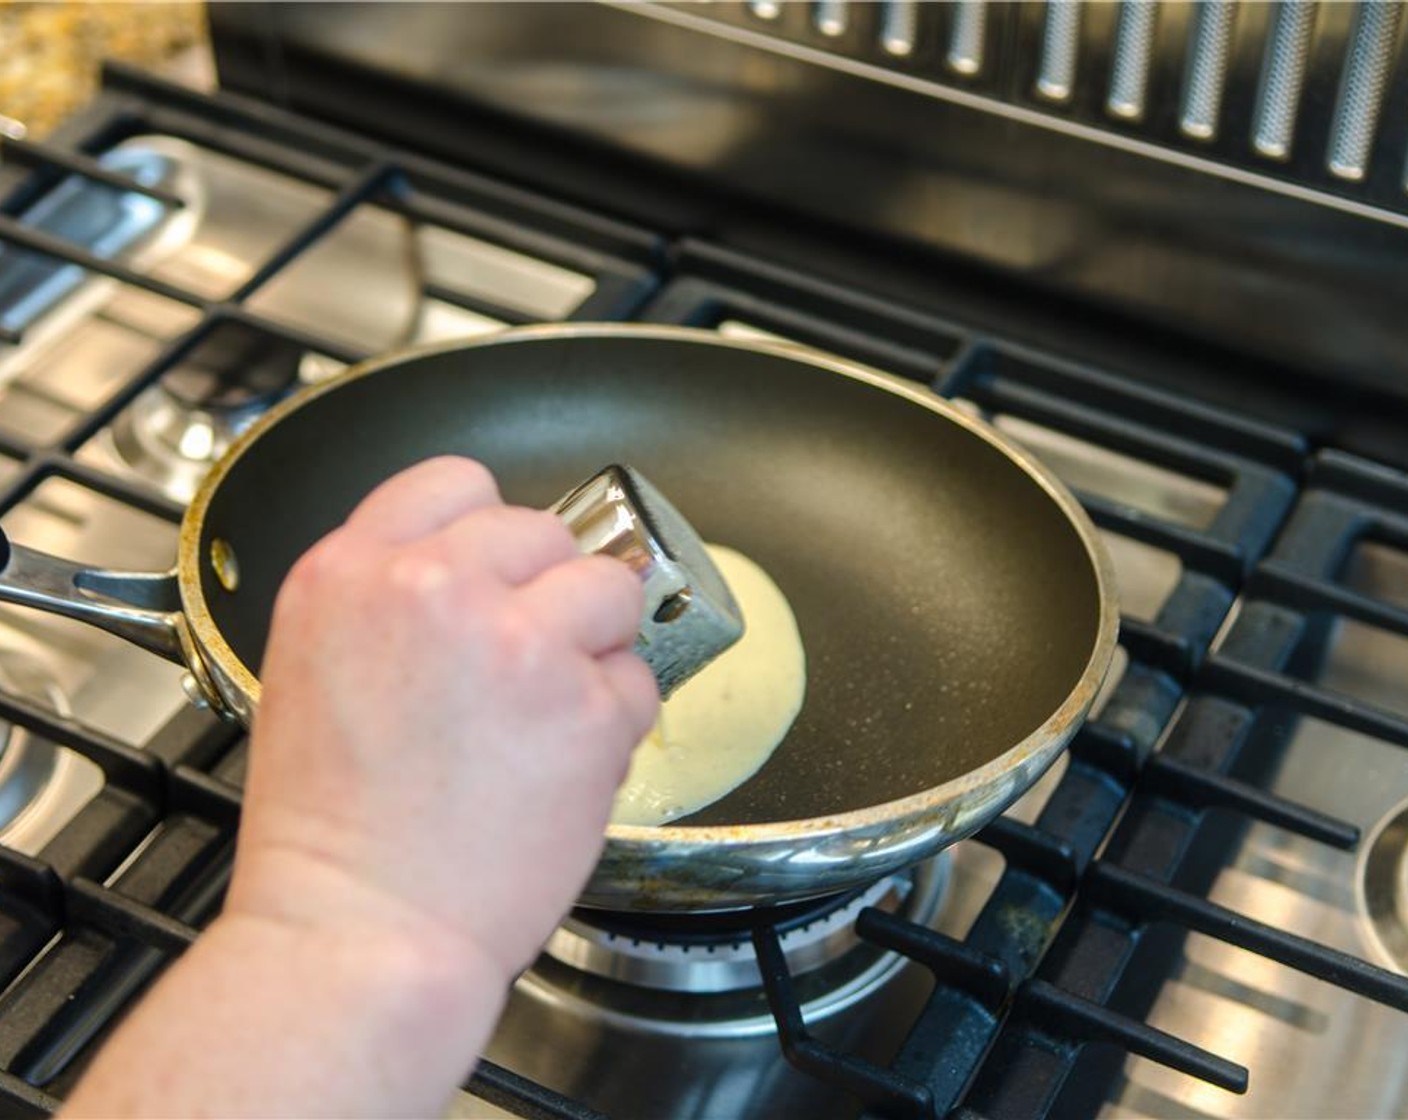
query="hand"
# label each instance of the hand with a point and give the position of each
(449, 705)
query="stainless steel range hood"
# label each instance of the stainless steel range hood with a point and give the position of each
(1234, 171)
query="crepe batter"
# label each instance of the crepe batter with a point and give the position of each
(719, 727)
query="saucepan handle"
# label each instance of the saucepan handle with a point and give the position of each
(142, 607)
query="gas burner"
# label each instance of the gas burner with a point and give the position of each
(173, 433)
(35, 776)
(713, 953)
(639, 986)
(1383, 888)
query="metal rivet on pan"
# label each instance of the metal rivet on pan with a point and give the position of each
(227, 568)
(191, 687)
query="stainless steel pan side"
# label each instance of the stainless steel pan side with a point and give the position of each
(955, 602)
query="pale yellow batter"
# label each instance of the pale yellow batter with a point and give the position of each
(719, 727)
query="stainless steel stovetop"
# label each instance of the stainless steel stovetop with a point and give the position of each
(654, 1026)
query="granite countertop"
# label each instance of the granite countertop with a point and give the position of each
(50, 53)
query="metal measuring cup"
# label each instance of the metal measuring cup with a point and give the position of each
(690, 615)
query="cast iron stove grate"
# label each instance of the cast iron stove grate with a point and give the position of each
(1110, 876)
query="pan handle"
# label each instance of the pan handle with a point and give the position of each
(144, 608)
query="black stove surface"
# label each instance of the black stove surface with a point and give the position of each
(1033, 1012)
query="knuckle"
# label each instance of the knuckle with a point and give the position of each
(624, 583)
(469, 473)
(317, 567)
(530, 529)
(600, 711)
(554, 534)
(417, 579)
(612, 574)
(518, 646)
(435, 578)
(610, 583)
(320, 575)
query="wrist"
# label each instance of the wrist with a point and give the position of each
(410, 966)
(378, 991)
(265, 1017)
(293, 876)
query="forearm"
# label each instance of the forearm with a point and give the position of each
(262, 1019)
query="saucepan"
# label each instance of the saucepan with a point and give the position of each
(955, 603)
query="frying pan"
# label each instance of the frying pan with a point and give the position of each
(955, 603)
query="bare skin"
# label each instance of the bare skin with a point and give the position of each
(449, 704)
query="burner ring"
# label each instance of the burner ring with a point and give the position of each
(1382, 885)
(179, 426)
(678, 959)
(29, 766)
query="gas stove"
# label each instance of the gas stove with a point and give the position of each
(1197, 907)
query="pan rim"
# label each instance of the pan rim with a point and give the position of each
(1051, 733)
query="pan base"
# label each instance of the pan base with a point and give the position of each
(27, 764)
(1383, 889)
(713, 952)
(699, 1054)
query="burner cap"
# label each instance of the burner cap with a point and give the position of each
(26, 764)
(713, 952)
(1383, 888)
(174, 432)
(235, 367)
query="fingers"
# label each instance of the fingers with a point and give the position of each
(634, 684)
(423, 499)
(512, 543)
(453, 506)
(595, 602)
